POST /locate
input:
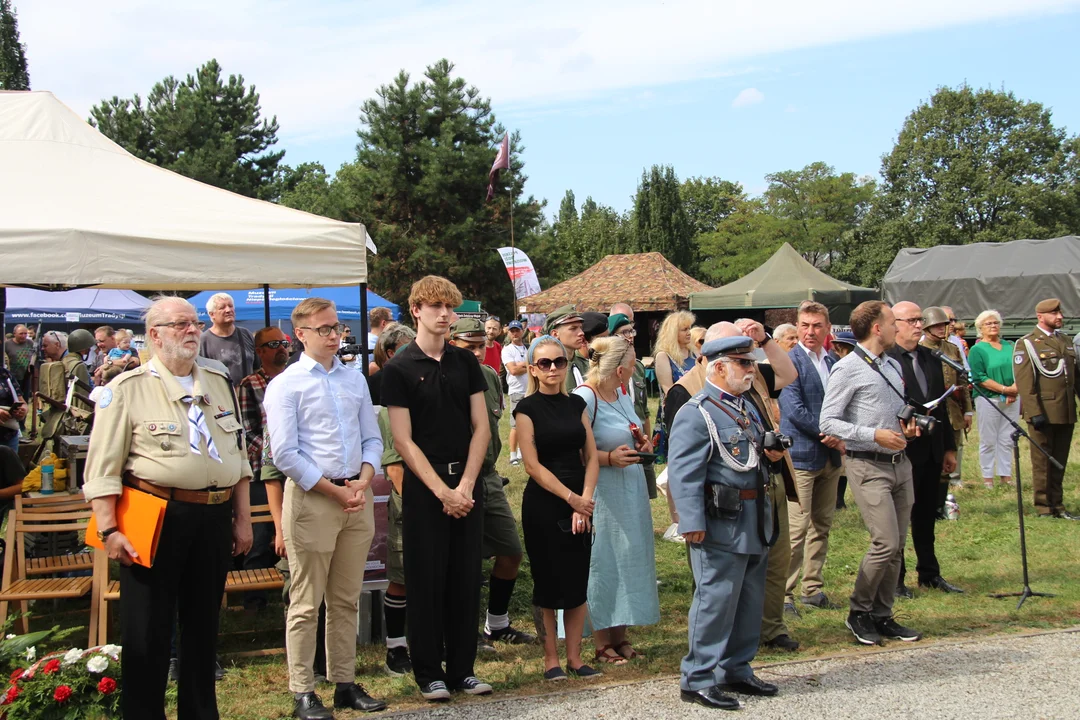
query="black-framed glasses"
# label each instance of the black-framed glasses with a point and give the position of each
(911, 321)
(275, 344)
(631, 333)
(326, 330)
(545, 364)
(742, 362)
(181, 325)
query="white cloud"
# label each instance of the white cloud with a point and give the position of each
(315, 61)
(749, 96)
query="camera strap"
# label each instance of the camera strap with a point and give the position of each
(877, 368)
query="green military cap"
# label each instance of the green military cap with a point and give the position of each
(561, 316)
(934, 316)
(468, 329)
(1049, 305)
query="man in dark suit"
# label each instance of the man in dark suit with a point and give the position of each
(930, 453)
(817, 458)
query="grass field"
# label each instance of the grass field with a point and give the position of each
(979, 552)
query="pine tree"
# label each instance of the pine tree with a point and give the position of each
(13, 72)
(660, 220)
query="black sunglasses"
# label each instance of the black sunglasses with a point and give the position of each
(546, 363)
(743, 362)
(276, 344)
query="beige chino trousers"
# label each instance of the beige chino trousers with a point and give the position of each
(811, 520)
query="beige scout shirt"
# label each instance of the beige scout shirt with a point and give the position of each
(143, 429)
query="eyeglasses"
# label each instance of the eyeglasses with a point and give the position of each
(275, 344)
(631, 333)
(911, 321)
(742, 362)
(546, 363)
(326, 330)
(181, 325)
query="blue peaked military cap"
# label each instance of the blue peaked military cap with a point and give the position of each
(736, 345)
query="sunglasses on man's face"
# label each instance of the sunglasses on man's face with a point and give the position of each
(275, 344)
(743, 362)
(546, 363)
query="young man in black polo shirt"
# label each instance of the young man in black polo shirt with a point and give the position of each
(435, 396)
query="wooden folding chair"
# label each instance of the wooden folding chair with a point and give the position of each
(61, 562)
(259, 579)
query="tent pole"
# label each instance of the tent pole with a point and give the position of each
(266, 305)
(362, 339)
(3, 321)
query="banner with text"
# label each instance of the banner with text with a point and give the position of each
(521, 271)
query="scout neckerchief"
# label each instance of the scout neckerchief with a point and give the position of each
(196, 422)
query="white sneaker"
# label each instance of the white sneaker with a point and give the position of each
(515, 458)
(672, 534)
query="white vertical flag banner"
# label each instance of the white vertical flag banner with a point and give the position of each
(521, 271)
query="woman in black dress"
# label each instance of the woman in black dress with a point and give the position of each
(557, 446)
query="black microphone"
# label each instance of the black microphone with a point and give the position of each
(958, 367)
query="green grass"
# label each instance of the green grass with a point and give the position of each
(980, 552)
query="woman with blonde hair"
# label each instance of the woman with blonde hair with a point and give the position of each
(622, 573)
(673, 353)
(991, 361)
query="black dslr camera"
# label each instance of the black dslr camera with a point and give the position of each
(349, 348)
(776, 441)
(924, 422)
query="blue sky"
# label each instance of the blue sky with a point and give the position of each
(599, 90)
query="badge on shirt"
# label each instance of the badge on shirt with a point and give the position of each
(1018, 359)
(105, 399)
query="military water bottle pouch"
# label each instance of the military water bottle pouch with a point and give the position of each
(722, 501)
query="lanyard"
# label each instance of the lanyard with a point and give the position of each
(870, 361)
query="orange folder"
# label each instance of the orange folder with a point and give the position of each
(139, 516)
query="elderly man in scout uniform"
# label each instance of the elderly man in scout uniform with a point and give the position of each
(565, 325)
(170, 429)
(500, 529)
(1045, 371)
(937, 329)
(718, 471)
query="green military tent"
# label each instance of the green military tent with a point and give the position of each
(783, 281)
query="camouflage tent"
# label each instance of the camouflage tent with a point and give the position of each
(647, 281)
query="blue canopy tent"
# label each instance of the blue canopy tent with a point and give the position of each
(72, 307)
(251, 309)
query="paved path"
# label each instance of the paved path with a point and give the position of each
(1018, 678)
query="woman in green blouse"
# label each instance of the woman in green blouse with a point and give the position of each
(991, 361)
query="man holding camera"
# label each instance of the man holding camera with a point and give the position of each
(1044, 363)
(933, 452)
(863, 401)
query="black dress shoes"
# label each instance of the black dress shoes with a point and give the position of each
(782, 642)
(940, 583)
(355, 697)
(752, 685)
(711, 698)
(903, 591)
(309, 707)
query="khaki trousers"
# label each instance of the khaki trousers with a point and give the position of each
(328, 551)
(884, 494)
(1046, 480)
(772, 617)
(811, 521)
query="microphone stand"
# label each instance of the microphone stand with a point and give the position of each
(1017, 433)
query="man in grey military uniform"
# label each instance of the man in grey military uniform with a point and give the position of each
(718, 474)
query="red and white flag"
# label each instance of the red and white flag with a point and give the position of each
(502, 162)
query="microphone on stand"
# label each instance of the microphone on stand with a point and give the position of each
(958, 367)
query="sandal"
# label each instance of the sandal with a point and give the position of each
(989, 484)
(633, 653)
(608, 655)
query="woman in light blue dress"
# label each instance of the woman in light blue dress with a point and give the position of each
(622, 573)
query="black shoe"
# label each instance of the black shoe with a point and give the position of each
(941, 515)
(398, 662)
(790, 609)
(863, 628)
(1066, 515)
(584, 672)
(555, 674)
(473, 686)
(895, 631)
(355, 697)
(841, 505)
(219, 671)
(711, 698)
(903, 591)
(940, 583)
(505, 480)
(821, 601)
(435, 691)
(174, 670)
(309, 707)
(484, 647)
(510, 635)
(782, 642)
(752, 685)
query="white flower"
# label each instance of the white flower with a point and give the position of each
(112, 651)
(9, 636)
(97, 664)
(31, 653)
(72, 656)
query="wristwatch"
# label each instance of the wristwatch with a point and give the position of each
(103, 535)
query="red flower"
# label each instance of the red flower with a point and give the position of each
(16, 676)
(12, 693)
(63, 692)
(51, 667)
(106, 686)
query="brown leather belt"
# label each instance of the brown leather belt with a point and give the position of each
(197, 497)
(748, 494)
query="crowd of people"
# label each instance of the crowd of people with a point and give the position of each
(760, 438)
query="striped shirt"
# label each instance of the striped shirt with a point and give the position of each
(858, 402)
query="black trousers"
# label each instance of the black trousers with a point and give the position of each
(1046, 480)
(188, 579)
(442, 571)
(926, 479)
